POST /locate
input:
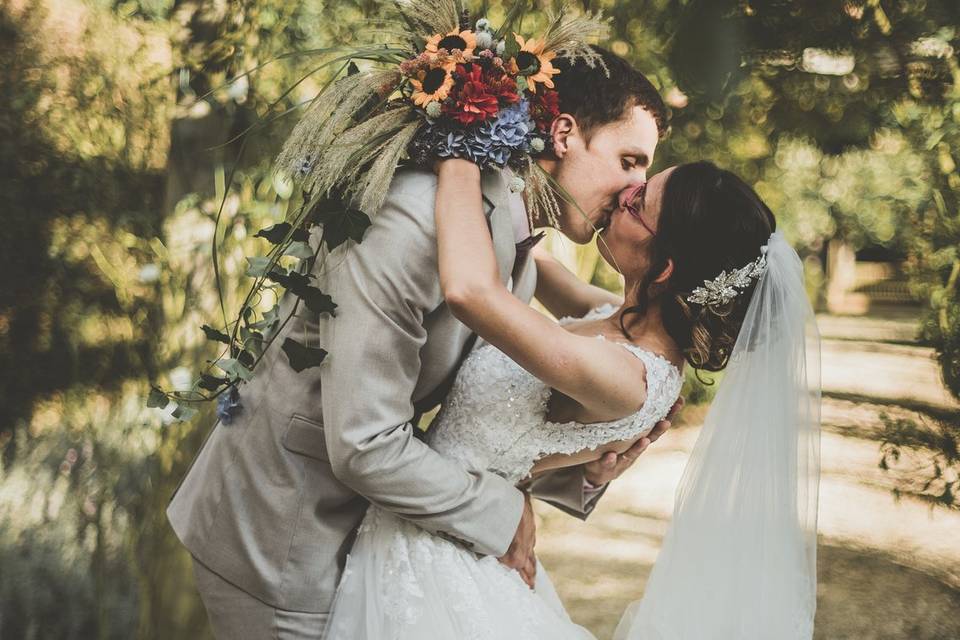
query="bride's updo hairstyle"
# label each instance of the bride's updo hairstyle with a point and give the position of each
(710, 221)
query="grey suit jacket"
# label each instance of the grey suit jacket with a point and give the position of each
(273, 499)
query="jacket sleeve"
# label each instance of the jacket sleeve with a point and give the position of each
(384, 286)
(565, 490)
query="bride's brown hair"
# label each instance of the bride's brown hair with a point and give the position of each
(710, 221)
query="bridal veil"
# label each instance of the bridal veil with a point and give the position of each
(739, 558)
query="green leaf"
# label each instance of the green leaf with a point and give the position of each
(246, 358)
(511, 46)
(183, 413)
(300, 250)
(317, 301)
(274, 234)
(340, 225)
(293, 281)
(211, 383)
(299, 285)
(215, 335)
(269, 320)
(157, 399)
(252, 341)
(302, 357)
(277, 233)
(257, 266)
(234, 369)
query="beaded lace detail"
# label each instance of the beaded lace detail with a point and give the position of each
(495, 415)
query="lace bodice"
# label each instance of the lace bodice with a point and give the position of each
(495, 415)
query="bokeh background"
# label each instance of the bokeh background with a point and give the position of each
(844, 114)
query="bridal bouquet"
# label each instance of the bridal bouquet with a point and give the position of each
(453, 88)
(448, 86)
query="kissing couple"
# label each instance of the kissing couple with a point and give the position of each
(322, 511)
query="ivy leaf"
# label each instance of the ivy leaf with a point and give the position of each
(211, 383)
(293, 281)
(252, 341)
(157, 399)
(340, 225)
(257, 266)
(302, 357)
(274, 234)
(300, 250)
(234, 369)
(278, 233)
(215, 335)
(269, 320)
(183, 413)
(246, 358)
(317, 301)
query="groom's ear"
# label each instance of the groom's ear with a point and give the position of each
(666, 273)
(563, 127)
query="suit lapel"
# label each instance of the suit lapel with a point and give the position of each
(498, 212)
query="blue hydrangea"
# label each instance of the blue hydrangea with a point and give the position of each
(228, 405)
(488, 144)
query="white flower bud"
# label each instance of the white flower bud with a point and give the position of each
(484, 39)
(501, 47)
(433, 109)
(517, 184)
(483, 24)
(537, 145)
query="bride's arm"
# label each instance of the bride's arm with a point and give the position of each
(561, 460)
(603, 377)
(564, 294)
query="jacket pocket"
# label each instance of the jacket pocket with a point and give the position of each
(306, 437)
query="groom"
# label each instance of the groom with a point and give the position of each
(271, 504)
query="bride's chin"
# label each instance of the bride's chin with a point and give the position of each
(604, 249)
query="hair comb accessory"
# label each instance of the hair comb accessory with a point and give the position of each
(728, 286)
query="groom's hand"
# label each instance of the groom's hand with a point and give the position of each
(520, 555)
(610, 466)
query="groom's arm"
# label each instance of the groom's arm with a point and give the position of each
(384, 286)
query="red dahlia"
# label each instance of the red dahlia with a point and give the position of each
(501, 85)
(472, 100)
(544, 108)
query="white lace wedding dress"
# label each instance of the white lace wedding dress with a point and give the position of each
(403, 583)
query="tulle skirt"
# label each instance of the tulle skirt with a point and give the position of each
(403, 583)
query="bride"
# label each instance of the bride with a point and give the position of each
(708, 283)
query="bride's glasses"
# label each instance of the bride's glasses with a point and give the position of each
(635, 201)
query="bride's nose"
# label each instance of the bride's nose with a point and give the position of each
(629, 195)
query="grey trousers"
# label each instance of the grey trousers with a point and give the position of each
(236, 615)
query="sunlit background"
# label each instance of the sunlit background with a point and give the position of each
(844, 114)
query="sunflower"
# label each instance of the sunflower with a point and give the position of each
(433, 84)
(533, 57)
(463, 41)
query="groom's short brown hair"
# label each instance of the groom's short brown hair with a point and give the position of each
(596, 98)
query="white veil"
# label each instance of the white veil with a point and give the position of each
(739, 558)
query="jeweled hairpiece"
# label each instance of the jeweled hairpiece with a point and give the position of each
(728, 286)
